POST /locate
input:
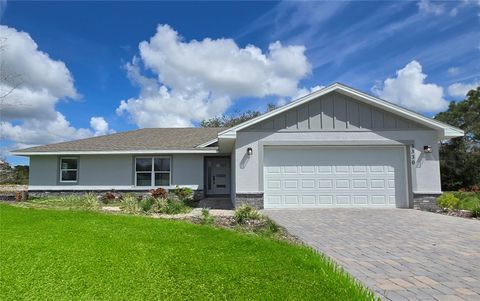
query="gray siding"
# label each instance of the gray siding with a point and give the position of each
(335, 112)
(187, 169)
(43, 170)
(105, 170)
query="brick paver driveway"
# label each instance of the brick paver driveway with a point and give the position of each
(401, 254)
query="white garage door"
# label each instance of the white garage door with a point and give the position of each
(334, 177)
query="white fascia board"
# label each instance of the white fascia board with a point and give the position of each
(146, 152)
(360, 96)
(453, 133)
(207, 143)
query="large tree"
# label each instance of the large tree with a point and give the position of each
(234, 119)
(460, 157)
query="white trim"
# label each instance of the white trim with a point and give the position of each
(129, 152)
(407, 188)
(68, 169)
(448, 131)
(103, 187)
(427, 192)
(207, 143)
(152, 171)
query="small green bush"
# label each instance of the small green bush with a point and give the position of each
(146, 204)
(476, 211)
(90, 202)
(207, 218)
(169, 206)
(184, 194)
(246, 212)
(448, 201)
(130, 204)
(271, 226)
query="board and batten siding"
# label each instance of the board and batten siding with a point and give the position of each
(335, 112)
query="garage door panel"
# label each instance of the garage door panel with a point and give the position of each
(342, 200)
(331, 177)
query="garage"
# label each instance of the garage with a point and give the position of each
(333, 176)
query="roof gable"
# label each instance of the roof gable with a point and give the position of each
(335, 111)
(446, 130)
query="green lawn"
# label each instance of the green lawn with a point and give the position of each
(48, 254)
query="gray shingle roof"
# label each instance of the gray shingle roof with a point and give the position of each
(137, 140)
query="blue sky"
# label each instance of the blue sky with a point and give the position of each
(201, 59)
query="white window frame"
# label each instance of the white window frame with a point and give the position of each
(152, 172)
(68, 169)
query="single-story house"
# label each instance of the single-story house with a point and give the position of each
(336, 147)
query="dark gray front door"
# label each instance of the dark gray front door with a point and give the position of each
(218, 175)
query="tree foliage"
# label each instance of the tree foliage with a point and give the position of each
(234, 119)
(13, 175)
(460, 157)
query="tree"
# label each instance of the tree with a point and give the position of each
(13, 175)
(460, 157)
(234, 119)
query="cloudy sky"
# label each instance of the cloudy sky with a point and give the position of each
(84, 69)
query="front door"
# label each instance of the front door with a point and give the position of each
(217, 175)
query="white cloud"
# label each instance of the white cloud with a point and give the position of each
(453, 71)
(460, 90)
(32, 84)
(100, 126)
(409, 90)
(200, 79)
(431, 8)
(300, 93)
(34, 132)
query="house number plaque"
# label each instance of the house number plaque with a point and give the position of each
(412, 153)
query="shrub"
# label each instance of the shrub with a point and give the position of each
(207, 218)
(476, 212)
(159, 193)
(184, 193)
(169, 206)
(448, 201)
(246, 212)
(130, 204)
(146, 204)
(271, 226)
(108, 197)
(90, 202)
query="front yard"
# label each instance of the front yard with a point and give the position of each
(55, 254)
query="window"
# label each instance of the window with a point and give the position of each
(152, 171)
(68, 170)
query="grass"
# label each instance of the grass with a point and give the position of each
(81, 255)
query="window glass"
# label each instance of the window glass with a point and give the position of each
(162, 179)
(69, 175)
(69, 163)
(162, 164)
(152, 170)
(144, 179)
(143, 164)
(68, 169)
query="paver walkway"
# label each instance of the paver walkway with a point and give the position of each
(401, 254)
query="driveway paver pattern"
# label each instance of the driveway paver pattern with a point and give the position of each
(401, 254)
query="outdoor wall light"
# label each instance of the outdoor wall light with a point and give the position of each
(427, 149)
(249, 151)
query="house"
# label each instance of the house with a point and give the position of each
(336, 147)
